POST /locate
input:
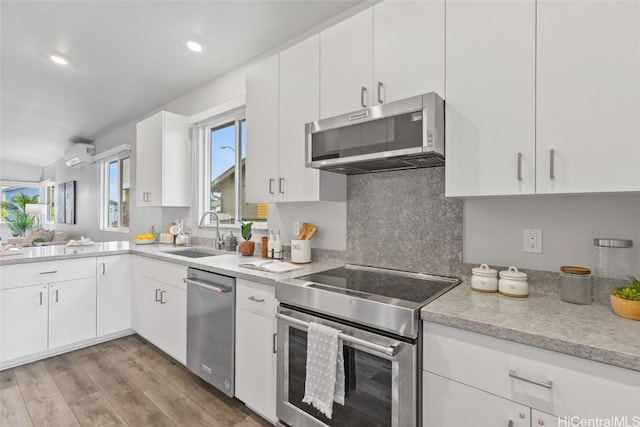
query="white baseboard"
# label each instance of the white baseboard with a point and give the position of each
(64, 349)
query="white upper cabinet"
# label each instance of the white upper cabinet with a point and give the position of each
(163, 161)
(282, 96)
(490, 97)
(346, 65)
(408, 49)
(262, 132)
(588, 96)
(391, 51)
(300, 104)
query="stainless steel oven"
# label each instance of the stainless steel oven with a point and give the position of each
(380, 376)
(377, 312)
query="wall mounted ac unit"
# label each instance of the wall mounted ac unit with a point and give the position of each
(79, 155)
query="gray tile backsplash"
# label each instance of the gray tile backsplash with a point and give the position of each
(402, 220)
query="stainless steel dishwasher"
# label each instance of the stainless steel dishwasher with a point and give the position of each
(211, 328)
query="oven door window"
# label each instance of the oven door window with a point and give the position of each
(368, 385)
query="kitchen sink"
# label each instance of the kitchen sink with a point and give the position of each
(191, 253)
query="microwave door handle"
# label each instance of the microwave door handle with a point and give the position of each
(388, 350)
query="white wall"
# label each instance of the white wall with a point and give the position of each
(493, 228)
(13, 171)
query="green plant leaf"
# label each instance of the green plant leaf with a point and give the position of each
(245, 228)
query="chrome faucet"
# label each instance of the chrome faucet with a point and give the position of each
(218, 243)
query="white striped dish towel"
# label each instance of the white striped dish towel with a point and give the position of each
(324, 382)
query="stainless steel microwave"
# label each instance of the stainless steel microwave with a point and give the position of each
(403, 134)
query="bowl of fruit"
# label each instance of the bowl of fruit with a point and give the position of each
(145, 239)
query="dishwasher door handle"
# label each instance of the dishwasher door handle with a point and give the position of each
(208, 286)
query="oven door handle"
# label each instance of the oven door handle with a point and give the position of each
(389, 351)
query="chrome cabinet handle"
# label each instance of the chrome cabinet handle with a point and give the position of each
(103, 268)
(510, 423)
(57, 296)
(162, 300)
(157, 299)
(254, 299)
(552, 158)
(40, 297)
(271, 182)
(545, 384)
(149, 197)
(281, 185)
(275, 349)
(49, 272)
(363, 93)
(519, 166)
(380, 85)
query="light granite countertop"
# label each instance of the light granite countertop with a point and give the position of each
(592, 332)
(226, 263)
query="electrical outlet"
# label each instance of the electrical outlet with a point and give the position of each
(532, 240)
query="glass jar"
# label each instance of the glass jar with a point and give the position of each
(575, 285)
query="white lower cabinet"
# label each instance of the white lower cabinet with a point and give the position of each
(447, 403)
(161, 308)
(256, 347)
(45, 307)
(72, 312)
(23, 321)
(491, 370)
(113, 294)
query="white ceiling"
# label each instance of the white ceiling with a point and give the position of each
(126, 58)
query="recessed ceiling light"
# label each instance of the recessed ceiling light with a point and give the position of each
(59, 60)
(194, 46)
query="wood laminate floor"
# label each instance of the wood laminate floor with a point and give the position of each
(124, 382)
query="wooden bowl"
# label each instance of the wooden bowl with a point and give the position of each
(625, 308)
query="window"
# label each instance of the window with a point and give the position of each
(115, 194)
(222, 170)
(48, 197)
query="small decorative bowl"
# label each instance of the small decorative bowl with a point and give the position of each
(625, 307)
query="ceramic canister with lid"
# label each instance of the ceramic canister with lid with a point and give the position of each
(575, 285)
(513, 283)
(484, 279)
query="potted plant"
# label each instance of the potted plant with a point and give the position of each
(14, 213)
(625, 301)
(247, 246)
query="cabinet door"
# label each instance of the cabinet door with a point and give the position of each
(346, 65)
(23, 321)
(149, 310)
(452, 404)
(176, 163)
(490, 93)
(174, 322)
(408, 49)
(149, 161)
(299, 104)
(262, 132)
(72, 312)
(539, 418)
(588, 96)
(256, 363)
(113, 294)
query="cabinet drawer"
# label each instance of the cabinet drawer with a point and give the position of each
(256, 298)
(171, 274)
(14, 276)
(576, 386)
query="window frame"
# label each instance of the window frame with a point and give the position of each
(104, 192)
(203, 131)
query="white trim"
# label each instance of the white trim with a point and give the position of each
(218, 110)
(113, 152)
(64, 349)
(104, 196)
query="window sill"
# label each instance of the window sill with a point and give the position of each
(116, 230)
(256, 226)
